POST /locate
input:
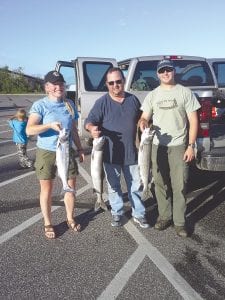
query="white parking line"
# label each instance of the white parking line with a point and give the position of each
(8, 235)
(6, 141)
(5, 131)
(15, 178)
(122, 277)
(178, 282)
(12, 154)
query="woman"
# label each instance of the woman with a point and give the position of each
(47, 117)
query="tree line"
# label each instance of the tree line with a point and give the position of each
(15, 82)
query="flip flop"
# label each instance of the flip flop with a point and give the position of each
(49, 232)
(73, 225)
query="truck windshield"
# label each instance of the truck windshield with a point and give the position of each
(188, 73)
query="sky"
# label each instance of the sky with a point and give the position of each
(35, 34)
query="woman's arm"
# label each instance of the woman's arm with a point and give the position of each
(34, 128)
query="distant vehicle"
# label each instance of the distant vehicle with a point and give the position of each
(218, 65)
(88, 75)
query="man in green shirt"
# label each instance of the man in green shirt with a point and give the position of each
(173, 109)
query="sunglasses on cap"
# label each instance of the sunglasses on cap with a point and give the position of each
(115, 82)
(166, 69)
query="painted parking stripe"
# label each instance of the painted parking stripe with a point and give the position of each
(15, 178)
(5, 131)
(13, 154)
(11, 233)
(5, 141)
(123, 276)
(178, 282)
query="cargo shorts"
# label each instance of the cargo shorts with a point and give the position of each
(45, 164)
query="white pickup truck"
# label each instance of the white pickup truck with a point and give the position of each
(85, 78)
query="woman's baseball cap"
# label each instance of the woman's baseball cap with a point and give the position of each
(53, 77)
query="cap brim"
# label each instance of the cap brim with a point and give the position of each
(165, 66)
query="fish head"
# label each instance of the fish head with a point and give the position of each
(98, 143)
(63, 136)
(147, 136)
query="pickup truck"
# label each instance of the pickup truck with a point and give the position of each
(85, 79)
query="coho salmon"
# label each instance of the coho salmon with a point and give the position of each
(97, 174)
(144, 159)
(62, 158)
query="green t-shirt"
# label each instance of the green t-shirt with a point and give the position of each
(169, 110)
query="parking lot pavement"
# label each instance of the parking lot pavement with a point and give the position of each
(102, 262)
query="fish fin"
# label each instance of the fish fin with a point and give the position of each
(147, 193)
(68, 189)
(100, 205)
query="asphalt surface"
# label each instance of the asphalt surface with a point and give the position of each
(102, 262)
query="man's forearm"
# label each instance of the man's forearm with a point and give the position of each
(193, 127)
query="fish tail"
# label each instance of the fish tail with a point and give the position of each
(100, 203)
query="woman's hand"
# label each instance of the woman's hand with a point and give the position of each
(56, 126)
(81, 155)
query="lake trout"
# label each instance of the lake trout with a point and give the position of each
(144, 159)
(97, 171)
(62, 158)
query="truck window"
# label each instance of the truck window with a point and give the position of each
(219, 69)
(69, 73)
(94, 75)
(69, 76)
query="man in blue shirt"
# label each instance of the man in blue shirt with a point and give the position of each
(115, 116)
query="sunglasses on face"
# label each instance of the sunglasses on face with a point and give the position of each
(166, 69)
(115, 82)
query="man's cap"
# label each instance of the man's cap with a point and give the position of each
(53, 77)
(165, 63)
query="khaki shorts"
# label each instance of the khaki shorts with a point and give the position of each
(45, 164)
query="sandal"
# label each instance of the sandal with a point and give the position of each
(73, 225)
(49, 232)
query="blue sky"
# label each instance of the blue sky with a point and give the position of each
(36, 33)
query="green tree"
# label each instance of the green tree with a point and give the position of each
(15, 82)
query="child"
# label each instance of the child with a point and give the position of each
(18, 123)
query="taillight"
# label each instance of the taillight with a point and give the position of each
(214, 112)
(204, 114)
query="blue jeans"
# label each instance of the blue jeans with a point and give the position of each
(133, 182)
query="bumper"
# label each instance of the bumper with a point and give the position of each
(211, 161)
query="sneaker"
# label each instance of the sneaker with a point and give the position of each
(162, 224)
(142, 222)
(181, 231)
(116, 221)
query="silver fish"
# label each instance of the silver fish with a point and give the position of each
(62, 158)
(97, 171)
(144, 159)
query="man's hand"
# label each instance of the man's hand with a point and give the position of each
(143, 124)
(189, 154)
(95, 133)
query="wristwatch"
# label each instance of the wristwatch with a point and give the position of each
(192, 145)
